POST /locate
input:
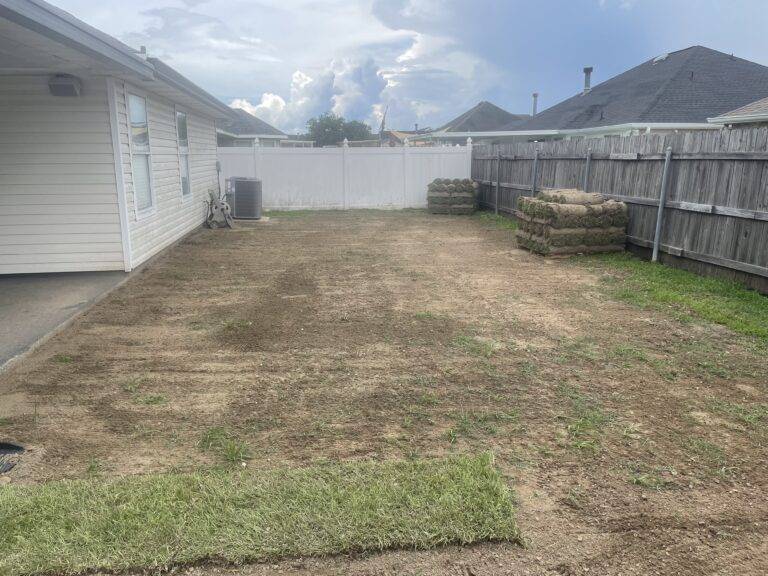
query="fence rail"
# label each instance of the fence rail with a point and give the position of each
(714, 217)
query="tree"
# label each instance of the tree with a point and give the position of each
(329, 130)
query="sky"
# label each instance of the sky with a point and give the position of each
(424, 61)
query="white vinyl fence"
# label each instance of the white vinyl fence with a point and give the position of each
(344, 178)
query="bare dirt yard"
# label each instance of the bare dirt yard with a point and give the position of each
(632, 438)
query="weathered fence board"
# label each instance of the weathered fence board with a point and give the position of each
(716, 212)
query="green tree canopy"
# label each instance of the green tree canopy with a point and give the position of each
(329, 129)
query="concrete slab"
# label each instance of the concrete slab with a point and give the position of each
(34, 305)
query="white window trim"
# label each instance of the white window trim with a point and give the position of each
(150, 210)
(184, 197)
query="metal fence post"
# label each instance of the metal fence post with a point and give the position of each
(586, 170)
(662, 203)
(498, 183)
(535, 172)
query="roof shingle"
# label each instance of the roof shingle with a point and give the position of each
(243, 123)
(687, 86)
(484, 117)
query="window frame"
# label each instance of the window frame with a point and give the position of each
(183, 151)
(140, 213)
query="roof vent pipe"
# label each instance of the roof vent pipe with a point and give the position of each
(587, 79)
(535, 103)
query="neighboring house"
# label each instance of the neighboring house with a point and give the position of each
(244, 129)
(672, 92)
(107, 155)
(481, 122)
(753, 114)
(395, 138)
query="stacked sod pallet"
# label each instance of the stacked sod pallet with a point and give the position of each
(560, 222)
(445, 196)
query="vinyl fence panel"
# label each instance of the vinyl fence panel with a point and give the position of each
(345, 178)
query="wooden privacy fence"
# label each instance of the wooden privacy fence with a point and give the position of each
(713, 216)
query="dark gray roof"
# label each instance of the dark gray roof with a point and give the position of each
(243, 123)
(686, 86)
(485, 117)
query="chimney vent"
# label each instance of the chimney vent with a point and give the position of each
(535, 103)
(587, 79)
(416, 127)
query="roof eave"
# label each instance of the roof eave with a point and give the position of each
(61, 27)
(739, 118)
(233, 135)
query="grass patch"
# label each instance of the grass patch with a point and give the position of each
(711, 455)
(63, 358)
(498, 220)
(587, 422)
(472, 424)
(654, 285)
(752, 415)
(157, 521)
(151, 399)
(221, 441)
(484, 347)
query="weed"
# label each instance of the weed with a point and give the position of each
(588, 420)
(425, 315)
(132, 385)
(151, 399)
(470, 424)
(484, 347)
(95, 467)
(63, 358)
(5, 421)
(627, 354)
(527, 368)
(227, 445)
(576, 497)
(235, 325)
(428, 399)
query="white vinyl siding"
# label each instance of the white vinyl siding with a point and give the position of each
(172, 216)
(58, 195)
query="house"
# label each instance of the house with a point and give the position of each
(671, 92)
(753, 114)
(107, 154)
(393, 138)
(480, 122)
(245, 129)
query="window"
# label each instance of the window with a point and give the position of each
(181, 135)
(140, 159)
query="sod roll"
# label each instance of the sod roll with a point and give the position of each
(570, 196)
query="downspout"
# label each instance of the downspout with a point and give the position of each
(122, 203)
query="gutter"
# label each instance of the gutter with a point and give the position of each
(578, 131)
(267, 136)
(64, 28)
(740, 119)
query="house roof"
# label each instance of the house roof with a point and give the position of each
(484, 117)
(242, 123)
(687, 86)
(756, 111)
(60, 28)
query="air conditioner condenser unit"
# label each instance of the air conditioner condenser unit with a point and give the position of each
(244, 197)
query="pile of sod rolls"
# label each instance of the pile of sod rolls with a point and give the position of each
(561, 222)
(446, 196)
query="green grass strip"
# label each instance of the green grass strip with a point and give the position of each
(655, 285)
(147, 522)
